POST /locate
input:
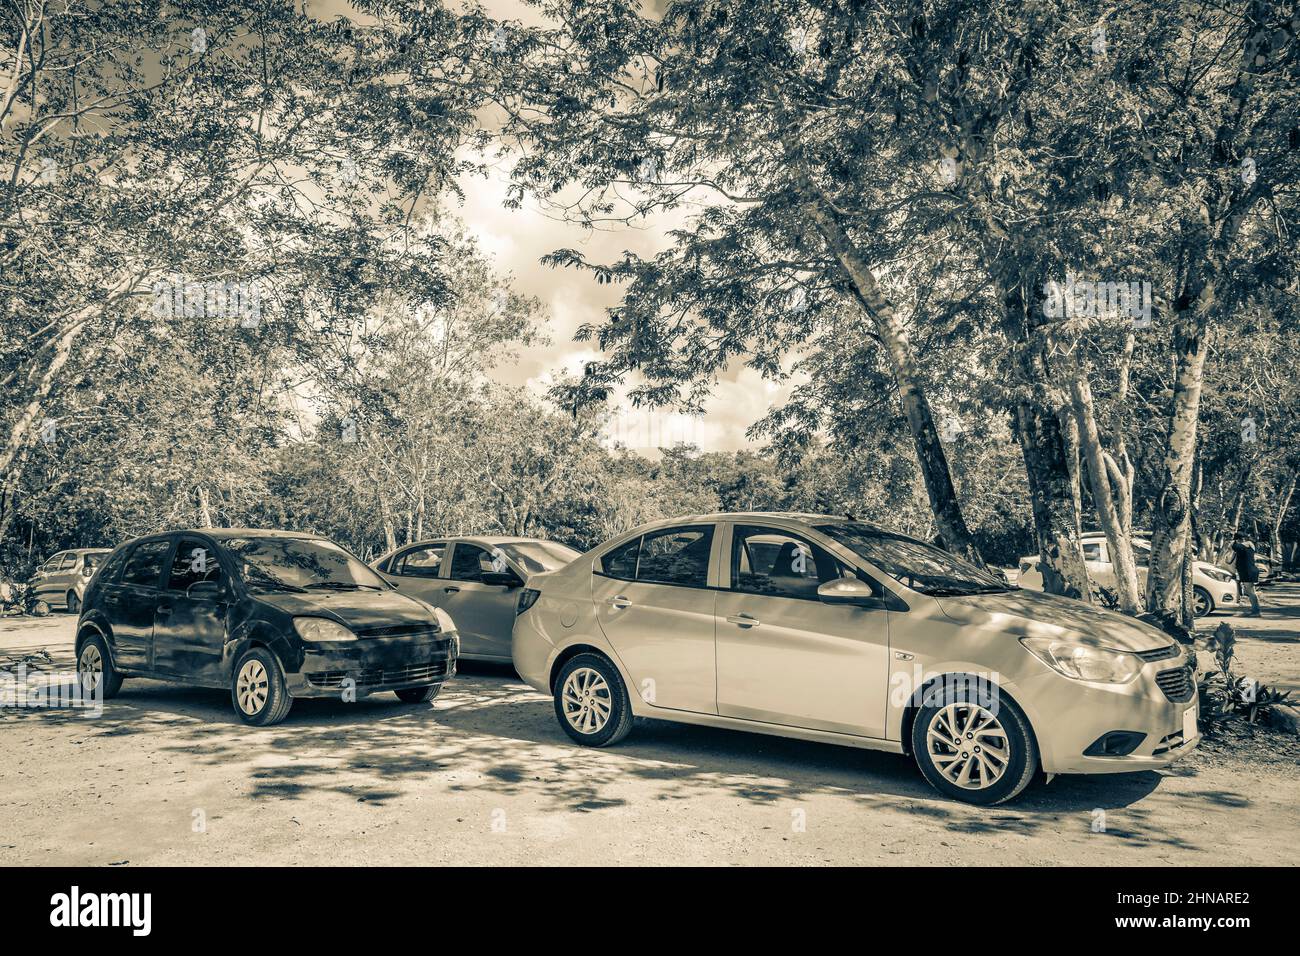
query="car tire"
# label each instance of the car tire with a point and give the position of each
(73, 603)
(591, 701)
(94, 659)
(961, 773)
(1202, 603)
(257, 688)
(418, 695)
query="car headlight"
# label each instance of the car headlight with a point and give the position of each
(1215, 574)
(320, 630)
(1084, 661)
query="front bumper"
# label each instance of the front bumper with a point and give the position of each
(1086, 712)
(373, 665)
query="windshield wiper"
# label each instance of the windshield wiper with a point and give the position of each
(277, 586)
(339, 586)
(962, 592)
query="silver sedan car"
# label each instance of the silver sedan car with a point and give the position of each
(829, 629)
(62, 580)
(478, 581)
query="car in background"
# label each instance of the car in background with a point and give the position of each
(829, 629)
(270, 615)
(478, 581)
(61, 581)
(1213, 588)
(1263, 561)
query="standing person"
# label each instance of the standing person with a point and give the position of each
(1243, 556)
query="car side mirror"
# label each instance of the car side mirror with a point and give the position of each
(505, 579)
(87, 572)
(857, 593)
(204, 590)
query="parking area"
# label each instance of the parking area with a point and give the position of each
(484, 775)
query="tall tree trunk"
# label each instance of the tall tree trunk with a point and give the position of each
(1120, 544)
(1283, 505)
(1171, 525)
(1043, 443)
(925, 436)
(205, 508)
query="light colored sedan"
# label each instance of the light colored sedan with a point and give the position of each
(833, 630)
(62, 580)
(478, 581)
(1213, 588)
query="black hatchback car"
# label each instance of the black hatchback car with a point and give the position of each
(272, 615)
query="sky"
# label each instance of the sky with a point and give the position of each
(518, 238)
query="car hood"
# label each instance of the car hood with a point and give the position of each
(358, 610)
(1023, 613)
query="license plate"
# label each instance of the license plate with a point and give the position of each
(1189, 723)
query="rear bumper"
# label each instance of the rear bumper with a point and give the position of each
(373, 666)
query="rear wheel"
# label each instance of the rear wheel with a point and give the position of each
(418, 695)
(257, 689)
(973, 746)
(73, 602)
(1202, 603)
(591, 701)
(95, 669)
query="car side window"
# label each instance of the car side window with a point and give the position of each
(469, 562)
(676, 556)
(420, 562)
(194, 562)
(621, 562)
(1092, 551)
(69, 562)
(144, 566)
(775, 563)
(54, 563)
(1141, 557)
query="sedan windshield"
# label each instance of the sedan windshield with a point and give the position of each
(914, 564)
(299, 564)
(538, 556)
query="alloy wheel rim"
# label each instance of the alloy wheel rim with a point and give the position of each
(1200, 605)
(968, 746)
(91, 667)
(252, 687)
(587, 700)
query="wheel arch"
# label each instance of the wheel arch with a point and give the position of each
(914, 707)
(572, 651)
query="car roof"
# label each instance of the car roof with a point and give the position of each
(222, 534)
(787, 517)
(487, 539)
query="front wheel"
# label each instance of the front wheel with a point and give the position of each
(257, 689)
(1202, 603)
(418, 695)
(95, 669)
(591, 701)
(972, 745)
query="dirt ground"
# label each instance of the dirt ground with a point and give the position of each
(484, 775)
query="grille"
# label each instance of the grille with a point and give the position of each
(399, 630)
(1177, 684)
(1159, 654)
(378, 676)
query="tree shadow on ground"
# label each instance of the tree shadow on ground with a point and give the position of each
(490, 733)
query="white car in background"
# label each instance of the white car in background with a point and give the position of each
(1213, 588)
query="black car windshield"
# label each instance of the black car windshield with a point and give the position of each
(299, 564)
(538, 556)
(914, 564)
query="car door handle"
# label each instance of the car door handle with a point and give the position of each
(744, 620)
(619, 602)
(450, 590)
(164, 610)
